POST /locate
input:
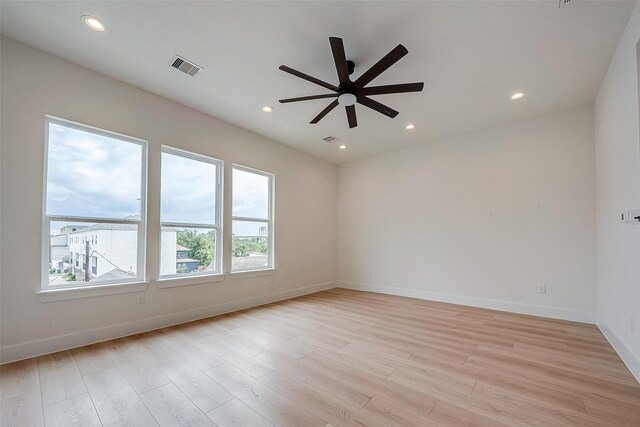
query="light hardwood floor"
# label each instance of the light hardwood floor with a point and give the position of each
(338, 358)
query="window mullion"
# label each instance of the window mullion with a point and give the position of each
(187, 225)
(249, 219)
(62, 218)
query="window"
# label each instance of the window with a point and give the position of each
(95, 184)
(191, 238)
(252, 222)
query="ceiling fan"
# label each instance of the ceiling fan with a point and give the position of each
(349, 92)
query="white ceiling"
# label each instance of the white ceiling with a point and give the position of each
(471, 56)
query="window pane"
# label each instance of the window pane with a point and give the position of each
(250, 195)
(83, 252)
(187, 250)
(91, 175)
(249, 245)
(188, 190)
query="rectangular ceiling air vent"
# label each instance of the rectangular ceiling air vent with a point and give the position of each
(186, 66)
(563, 3)
(330, 139)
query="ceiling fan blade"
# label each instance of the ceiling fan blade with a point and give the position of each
(308, 78)
(375, 105)
(379, 67)
(340, 58)
(351, 116)
(400, 88)
(324, 112)
(307, 98)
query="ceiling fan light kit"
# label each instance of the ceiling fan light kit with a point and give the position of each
(348, 92)
(347, 99)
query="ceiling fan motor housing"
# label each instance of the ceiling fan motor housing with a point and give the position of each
(351, 66)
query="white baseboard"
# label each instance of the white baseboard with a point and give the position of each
(513, 307)
(629, 359)
(77, 339)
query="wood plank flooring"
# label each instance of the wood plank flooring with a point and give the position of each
(335, 358)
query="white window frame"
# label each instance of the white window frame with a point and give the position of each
(218, 213)
(47, 219)
(269, 221)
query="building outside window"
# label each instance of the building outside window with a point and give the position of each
(95, 204)
(252, 245)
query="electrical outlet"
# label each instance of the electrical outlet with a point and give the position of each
(634, 216)
(542, 289)
(624, 216)
(140, 299)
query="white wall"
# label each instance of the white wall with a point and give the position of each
(481, 219)
(618, 188)
(35, 83)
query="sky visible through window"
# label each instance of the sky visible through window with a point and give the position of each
(250, 195)
(188, 190)
(92, 175)
(250, 200)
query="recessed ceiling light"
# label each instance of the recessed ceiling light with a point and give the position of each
(410, 126)
(94, 23)
(342, 147)
(517, 95)
(267, 109)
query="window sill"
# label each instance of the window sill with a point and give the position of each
(174, 282)
(48, 295)
(252, 273)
